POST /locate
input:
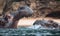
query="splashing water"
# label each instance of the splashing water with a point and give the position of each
(29, 31)
(36, 30)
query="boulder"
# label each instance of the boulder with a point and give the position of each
(47, 23)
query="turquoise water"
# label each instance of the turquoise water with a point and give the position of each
(24, 31)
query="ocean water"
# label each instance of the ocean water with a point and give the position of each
(29, 31)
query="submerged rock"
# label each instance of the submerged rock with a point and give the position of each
(47, 23)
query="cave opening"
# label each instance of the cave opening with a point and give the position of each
(54, 14)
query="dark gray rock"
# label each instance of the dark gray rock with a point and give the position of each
(23, 11)
(47, 23)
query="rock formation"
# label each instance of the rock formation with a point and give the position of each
(40, 7)
(10, 20)
(47, 23)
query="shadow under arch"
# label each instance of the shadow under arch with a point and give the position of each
(54, 14)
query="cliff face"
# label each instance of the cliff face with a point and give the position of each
(40, 7)
(1, 5)
(44, 7)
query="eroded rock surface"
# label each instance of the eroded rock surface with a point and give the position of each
(47, 23)
(40, 7)
(10, 19)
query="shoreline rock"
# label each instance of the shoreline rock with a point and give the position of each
(47, 23)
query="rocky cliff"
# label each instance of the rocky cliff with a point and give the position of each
(40, 7)
(44, 7)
